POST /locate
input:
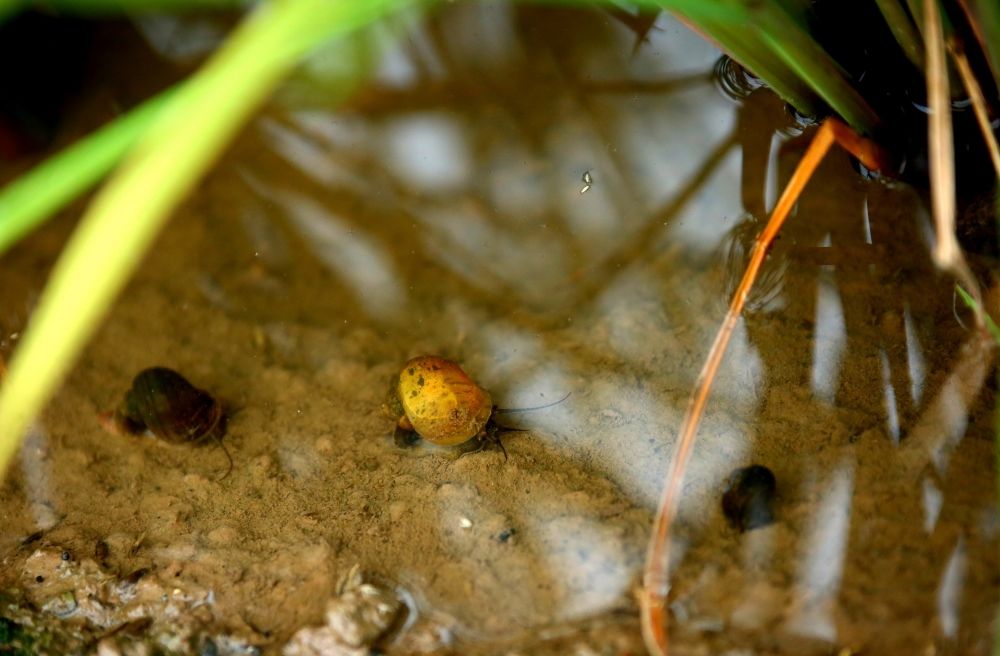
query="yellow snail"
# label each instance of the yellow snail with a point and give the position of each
(433, 398)
(163, 403)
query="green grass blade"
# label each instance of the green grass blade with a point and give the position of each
(903, 30)
(972, 305)
(744, 46)
(9, 7)
(917, 12)
(164, 165)
(47, 188)
(793, 61)
(725, 23)
(793, 44)
(119, 7)
(988, 13)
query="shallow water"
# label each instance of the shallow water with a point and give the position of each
(440, 211)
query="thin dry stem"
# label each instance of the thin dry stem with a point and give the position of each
(655, 582)
(973, 21)
(978, 102)
(947, 253)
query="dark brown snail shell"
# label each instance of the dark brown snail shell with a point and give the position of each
(164, 403)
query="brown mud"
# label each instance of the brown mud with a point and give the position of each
(440, 212)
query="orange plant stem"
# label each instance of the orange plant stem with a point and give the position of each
(655, 580)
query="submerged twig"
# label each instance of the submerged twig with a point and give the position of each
(655, 583)
(947, 253)
(973, 22)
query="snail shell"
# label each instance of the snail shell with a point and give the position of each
(168, 406)
(748, 502)
(440, 402)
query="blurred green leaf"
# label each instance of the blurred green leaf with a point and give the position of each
(773, 41)
(142, 6)
(164, 165)
(793, 43)
(988, 13)
(904, 30)
(47, 188)
(9, 7)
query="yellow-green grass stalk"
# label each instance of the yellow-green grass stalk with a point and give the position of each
(10, 7)
(917, 12)
(991, 325)
(119, 7)
(904, 30)
(793, 43)
(164, 165)
(988, 13)
(49, 186)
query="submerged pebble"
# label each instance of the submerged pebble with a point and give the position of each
(506, 534)
(152, 610)
(355, 621)
(62, 605)
(748, 501)
(208, 648)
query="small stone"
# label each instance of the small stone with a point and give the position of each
(355, 620)
(108, 647)
(506, 534)
(321, 641)
(361, 615)
(62, 606)
(396, 510)
(262, 467)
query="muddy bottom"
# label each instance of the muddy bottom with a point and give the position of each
(442, 211)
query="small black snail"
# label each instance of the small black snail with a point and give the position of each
(749, 498)
(163, 403)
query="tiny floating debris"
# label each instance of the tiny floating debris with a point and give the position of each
(588, 180)
(749, 498)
